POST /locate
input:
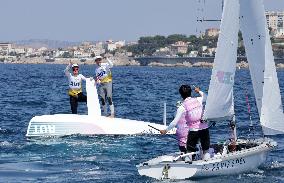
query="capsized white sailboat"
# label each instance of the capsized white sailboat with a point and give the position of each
(236, 155)
(91, 124)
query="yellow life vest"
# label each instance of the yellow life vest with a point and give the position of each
(107, 79)
(74, 92)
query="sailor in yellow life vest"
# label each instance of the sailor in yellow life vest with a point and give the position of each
(104, 79)
(75, 86)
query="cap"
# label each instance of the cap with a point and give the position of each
(98, 57)
(75, 65)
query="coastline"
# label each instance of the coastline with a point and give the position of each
(124, 61)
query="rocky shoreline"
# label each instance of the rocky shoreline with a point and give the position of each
(121, 61)
(118, 61)
(242, 64)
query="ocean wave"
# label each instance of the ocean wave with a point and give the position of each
(276, 165)
(6, 131)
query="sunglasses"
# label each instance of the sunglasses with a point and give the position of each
(76, 69)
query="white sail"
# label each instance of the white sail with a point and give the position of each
(93, 103)
(220, 102)
(262, 66)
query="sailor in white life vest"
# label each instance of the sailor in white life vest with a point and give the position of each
(75, 86)
(104, 79)
(190, 112)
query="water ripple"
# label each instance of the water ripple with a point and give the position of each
(139, 93)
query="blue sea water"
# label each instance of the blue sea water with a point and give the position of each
(139, 93)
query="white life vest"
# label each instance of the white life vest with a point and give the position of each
(103, 73)
(75, 84)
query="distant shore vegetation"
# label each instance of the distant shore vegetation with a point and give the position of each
(148, 45)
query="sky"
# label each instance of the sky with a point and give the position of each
(98, 20)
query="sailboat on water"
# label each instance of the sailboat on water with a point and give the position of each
(235, 155)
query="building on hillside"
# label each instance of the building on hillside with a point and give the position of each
(5, 48)
(98, 51)
(211, 51)
(120, 44)
(193, 53)
(212, 32)
(86, 55)
(61, 53)
(110, 45)
(29, 52)
(77, 54)
(162, 52)
(204, 48)
(42, 49)
(19, 50)
(179, 47)
(275, 22)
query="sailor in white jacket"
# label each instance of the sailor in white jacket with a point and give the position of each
(104, 78)
(75, 86)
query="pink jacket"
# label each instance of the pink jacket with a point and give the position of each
(193, 115)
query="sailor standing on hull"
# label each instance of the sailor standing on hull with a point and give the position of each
(104, 79)
(188, 121)
(75, 86)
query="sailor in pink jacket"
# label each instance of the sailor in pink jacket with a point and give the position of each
(188, 120)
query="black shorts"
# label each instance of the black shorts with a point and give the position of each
(194, 136)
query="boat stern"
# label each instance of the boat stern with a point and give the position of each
(167, 167)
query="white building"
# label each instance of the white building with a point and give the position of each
(18, 50)
(275, 21)
(280, 33)
(162, 52)
(120, 44)
(204, 48)
(212, 32)
(179, 47)
(42, 49)
(60, 53)
(111, 46)
(5, 48)
(98, 51)
(78, 54)
(86, 55)
(98, 48)
(193, 54)
(29, 51)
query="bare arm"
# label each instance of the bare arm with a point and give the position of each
(83, 77)
(202, 97)
(66, 70)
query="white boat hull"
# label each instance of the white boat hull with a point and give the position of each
(164, 167)
(68, 124)
(91, 124)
